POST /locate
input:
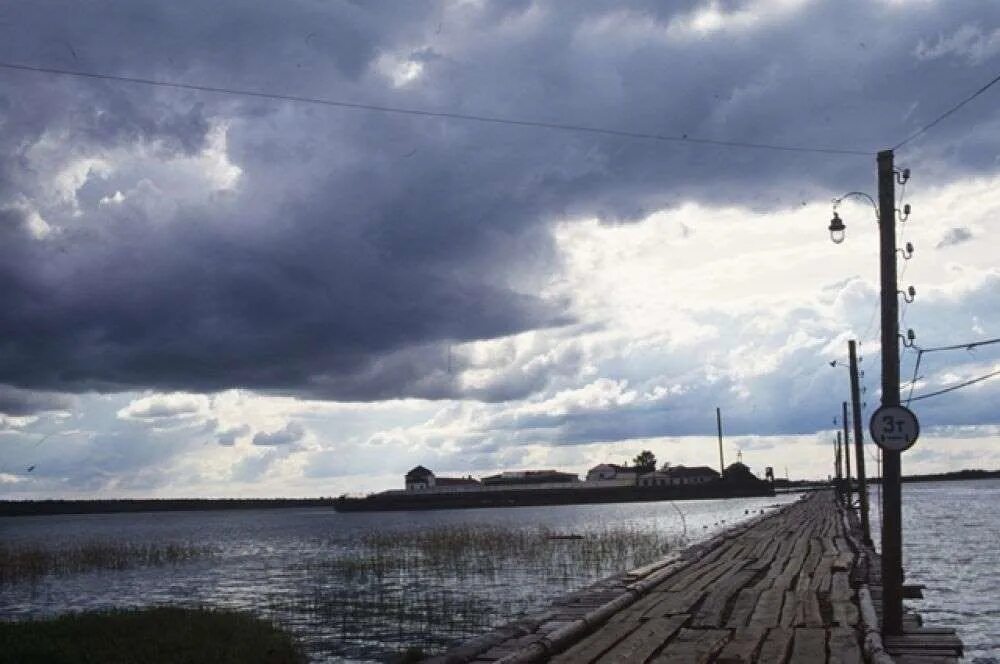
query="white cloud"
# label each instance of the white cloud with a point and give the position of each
(159, 408)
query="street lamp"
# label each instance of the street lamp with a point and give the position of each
(837, 229)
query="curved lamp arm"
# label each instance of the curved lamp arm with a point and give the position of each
(856, 194)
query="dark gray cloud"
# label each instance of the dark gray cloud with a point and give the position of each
(955, 236)
(19, 402)
(356, 246)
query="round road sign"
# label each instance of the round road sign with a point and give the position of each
(894, 428)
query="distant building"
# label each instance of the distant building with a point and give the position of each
(519, 477)
(739, 472)
(679, 476)
(694, 474)
(456, 481)
(611, 471)
(659, 478)
(422, 478)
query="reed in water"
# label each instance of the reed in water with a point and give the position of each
(31, 562)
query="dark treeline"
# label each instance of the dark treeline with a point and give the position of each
(42, 507)
(947, 477)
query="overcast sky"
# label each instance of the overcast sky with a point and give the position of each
(207, 294)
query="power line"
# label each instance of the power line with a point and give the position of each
(956, 387)
(916, 368)
(946, 113)
(968, 346)
(920, 353)
(448, 115)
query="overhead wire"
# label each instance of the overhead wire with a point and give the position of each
(936, 349)
(965, 346)
(957, 387)
(947, 113)
(448, 115)
(913, 381)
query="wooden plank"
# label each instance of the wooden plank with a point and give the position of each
(640, 607)
(845, 614)
(694, 646)
(673, 604)
(788, 609)
(776, 645)
(768, 610)
(743, 608)
(844, 648)
(712, 609)
(935, 639)
(808, 646)
(840, 588)
(822, 577)
(742, 647)
(807, 609)
(598, 643)
(643, 642)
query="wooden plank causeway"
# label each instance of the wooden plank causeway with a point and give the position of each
(782, 590)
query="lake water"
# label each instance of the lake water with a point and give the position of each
(288, 565)
(299, 566)
(951, 544)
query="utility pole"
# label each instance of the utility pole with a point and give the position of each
(847, 457)
(718, 423)
(859, 447)
(840, 470)
(892, 517)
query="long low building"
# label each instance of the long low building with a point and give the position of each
(679, 476)
(424, 480)
(513, 477)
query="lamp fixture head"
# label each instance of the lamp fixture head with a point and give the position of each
(837, 228)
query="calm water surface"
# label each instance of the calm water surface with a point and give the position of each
(276, 564)
(951, 544)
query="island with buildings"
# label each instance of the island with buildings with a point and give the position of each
(604, 483)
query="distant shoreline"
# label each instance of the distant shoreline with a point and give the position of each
(115, 506)
(955, 476)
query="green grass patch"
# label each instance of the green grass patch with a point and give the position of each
(164, 635)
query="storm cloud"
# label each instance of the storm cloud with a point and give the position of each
(176, 240)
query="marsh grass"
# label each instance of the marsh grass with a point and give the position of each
(471, 551)
(32, 562)
(429, 588)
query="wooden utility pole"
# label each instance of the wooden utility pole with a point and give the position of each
(840, 470)
(892, 517)
(718, 424)
(859, 448)
(847, 458)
